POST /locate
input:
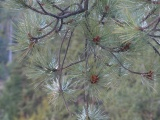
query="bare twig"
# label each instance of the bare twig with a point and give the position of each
(46, 26)
(155, 49)
(155, 36)
(151, 23)
(61, 66)
(64, 13)
(67, 48)
(77, 4)
(58, 8)
(61, 25)
(54, 28)
(59, 58)
(155, 41)
(45, 12)
(156, 25)
(34, 9)
(139, 73)
(148, 15)
(74, 63)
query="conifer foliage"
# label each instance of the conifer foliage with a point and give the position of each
(81, 50)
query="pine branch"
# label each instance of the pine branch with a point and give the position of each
(148, 15)
(111, 52)
(61, 66)
(45, 35)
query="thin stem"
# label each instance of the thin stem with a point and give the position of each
(155, 49)
(73, 63)
(67, 48)
(148, 15)
(156, 25)
(77, 4)
(58, 8)
(155, 36)
(102, 18)
(41, 7)
(41, 12)
(64, 14)
(60, 67)
(46, 26)
(40, 37)
(34, 9)
(86, 91)
(151, 23)
(155, 41)
(61, 25)
(139, 73)
(86, 4)
(65, 103)
(61, 48)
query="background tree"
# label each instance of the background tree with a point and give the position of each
(90, 53)
(5, 40)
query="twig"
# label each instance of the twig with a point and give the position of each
(155, 41)
(151, 23)
(64, 13)
(86, 91)
(46, 26)
(139, 73)
(54, 28)
(67, 48)
(61, 25)
(155, 49)
(156, 25)
(61, 48)
(155, 36)
(42, 7)
(61, 66)
(73, 63)
(34, 9)
(42, 12)
(148, 15)
(77, 4)
(58, 8)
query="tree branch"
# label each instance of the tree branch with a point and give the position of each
(46, 26)
(148, 15)
(139, 73)
(74, 63)
(150, 24)
(40, 37)
(61, 66)
(155, 49)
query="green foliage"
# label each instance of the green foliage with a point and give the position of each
(102, 52)
(94, 114)
(3, 72)
(10, 97)
(3, 48)
(42, 112)
(18, 99)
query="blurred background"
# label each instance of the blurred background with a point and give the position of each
(18, 100)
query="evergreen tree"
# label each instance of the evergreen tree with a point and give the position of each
(19, 101)
(90, 53)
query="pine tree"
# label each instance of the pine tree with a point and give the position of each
(90, 52)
